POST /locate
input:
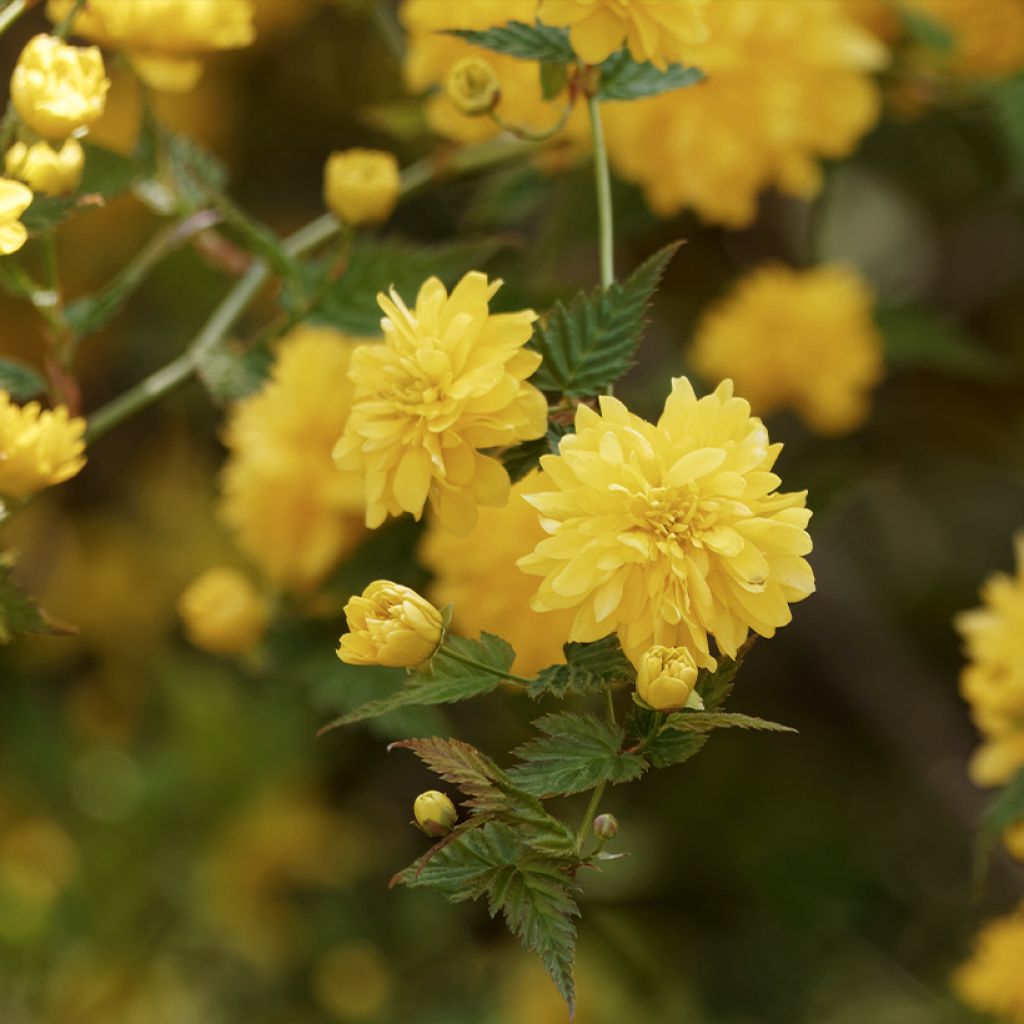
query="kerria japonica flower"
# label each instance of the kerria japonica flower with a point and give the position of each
(38, 447)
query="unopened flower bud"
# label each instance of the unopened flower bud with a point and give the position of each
(361, 186)
(606, 826)
(665, 679)
(434, 813)
(473, 86)
(390, 625)
(49, 171)
(223, 613)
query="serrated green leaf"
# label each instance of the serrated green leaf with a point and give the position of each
(671, 747)
(197, 177)
(707, 721)
(1005, 810)
(590, 344)
(623, 78)
(230, 371)
(20, 615)
(588, 668)
(544, 43)
(21, 382)
(524, 458)
(575, 752)
(507, 197)
(919, 338)
(714, 687)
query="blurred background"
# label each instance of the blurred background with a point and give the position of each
(177, 846)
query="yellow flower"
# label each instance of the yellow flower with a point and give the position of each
(163, 38)
(223, 613)
(361, 185)
(671, 533)
(665, 678)
(294, 514)
(449, 380)
(796, 339)
(654, 30)
(37, 448)
(434, 813)
(15, 199)
(473, 86)
(390, 625)
(787, 84)
(353, 981)
(47, 170)
(58, 89)
(988, 38)
(991, 980)
(992, 682)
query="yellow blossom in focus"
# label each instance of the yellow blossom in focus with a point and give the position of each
(163, 38)
(654, 30)
(991, 981)
(49, 171)
(434, 813)
(788, 84)
(671, 533)
(15, 199)
(38, 448)
(361, 185)
(992, 682)
(353, 981)
(294, 514)
(223, 612)
(391, 625)
(665, 678)
(988, 36)
(477, 575)
(449, 380)
(473, 86)
(58, 89)
(796, 339)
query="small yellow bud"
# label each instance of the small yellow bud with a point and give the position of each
(665, 678)
(434, 813)
(361, 185)
(223, 613)
(606, 826)
(45, 169)
(390, 625)
(58, 89)
(473, 86)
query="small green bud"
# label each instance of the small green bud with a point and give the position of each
(606, 826)
(435, 813)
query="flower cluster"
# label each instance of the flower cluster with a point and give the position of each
(991, 980)
(38, 448)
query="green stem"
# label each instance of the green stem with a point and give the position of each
(11, 13)
(603, 182)
(525, 133)
(473, 663)
(588, 817)
(62, 30)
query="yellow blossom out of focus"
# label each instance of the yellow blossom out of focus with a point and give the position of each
(988, 37)
(352, 981)
(991, 981)
(58, 89)
(434, 813)
(666, 677)
(163, 38)
(223, 613)
(391, 625)
(361, 185)
(788, 84)
(1013, 837)
(477, 575)
(992, 682)
(796, 339)
(449, 380)
(44, 169)
(293, 513)
(38, 448)
(654, 30)
(671, 533)
(15, 199)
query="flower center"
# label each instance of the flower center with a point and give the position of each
(675, 515)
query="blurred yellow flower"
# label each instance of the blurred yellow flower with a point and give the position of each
(1013, 837)
(665, 678)
(163, 38)
(991, 981)
(787, 85)
(992, 682)
(15, 199)
(58, 89)
(353, 981)
(988, 37)
(361, 185)
(473, 86)
(434, 813)
(223, 613)
(796, 339)
(671, 533)
(477, 575)
(390, 624)
(449, 380)
(654, 30)
(49, 171)
(38, 448)
(294, 514)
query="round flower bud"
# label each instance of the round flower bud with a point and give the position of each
(434, 813)
(361, 185)
(223, 613)
(58, 89)
(390, 625)
(606, 826)
(473, 86)
(665, 678)
(44, 169)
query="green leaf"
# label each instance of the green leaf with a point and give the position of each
(670, 747)
(553, 79)
(506, 198)
(19, 613)
(21, 382)
(524, 458)
(1007, 99)
(918, 338)
(714, 687)
(706, 721)
(197, 177)
(588, 668)
(1004, 811)
(230, 371)
(575, 753)
(623, 78)
(544, 43)
(590, 344)
(926, 31)
(46, 212)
